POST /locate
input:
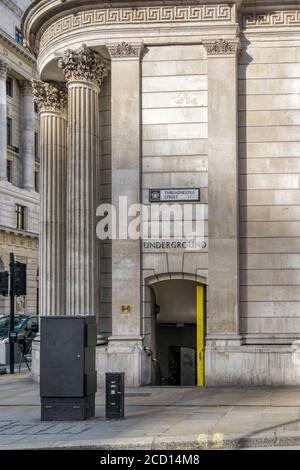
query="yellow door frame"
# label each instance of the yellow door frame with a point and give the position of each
(200, 299)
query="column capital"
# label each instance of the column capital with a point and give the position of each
(49, 96)
(84, 65)
(124, 50)
(26, 87)
(4, 68)
(222, 47)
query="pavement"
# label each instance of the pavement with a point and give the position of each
(157, 418)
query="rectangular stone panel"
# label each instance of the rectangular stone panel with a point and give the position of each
(174, 116)
(270, 134)
(270, 55)
(174, 83)
(178, 53)
(160, 148)
(270, 294)
(269, 149)
(267, 71)
(270, 213)
(270, 325)
(269, 86)
(270, 197)
(175, 131)
(183, 163)
(174, 180)
(270, 245)
(174, 99)
(269, 118)
(270, 229)
(173, 67)
(270, 261)
(269, 165)
(269, 102)
(271, 277)
(269, 181)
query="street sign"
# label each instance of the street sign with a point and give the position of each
(174, 195)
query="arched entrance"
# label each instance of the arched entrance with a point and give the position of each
(178, 331)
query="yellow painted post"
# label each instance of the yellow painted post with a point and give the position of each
(200, 334)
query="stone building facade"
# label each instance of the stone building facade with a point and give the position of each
(200, 94)
(19, 155)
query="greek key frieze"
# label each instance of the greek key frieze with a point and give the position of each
(278, 18)
(115, 16)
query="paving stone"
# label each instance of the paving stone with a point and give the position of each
(152, 418)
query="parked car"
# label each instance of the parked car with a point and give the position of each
(23, 323)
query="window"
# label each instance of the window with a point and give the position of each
(9, 86)
(36, 181)
(20, 217)
(36, 146)
(8, 130)
(19, 36)
(9, 171)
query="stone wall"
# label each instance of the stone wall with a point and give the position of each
(174, 136)
(269, 158)
(174, 150)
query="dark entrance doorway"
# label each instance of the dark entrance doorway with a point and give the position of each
(178, 333)
(176, 353)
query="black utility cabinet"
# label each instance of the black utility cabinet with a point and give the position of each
(115, 391)
(68, 379)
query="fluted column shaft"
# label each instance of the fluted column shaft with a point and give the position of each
(3, 137)
(53, 213)
(82, 263)
(28, 157)
(84, 71)
(51, 100)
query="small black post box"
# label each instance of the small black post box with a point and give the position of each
(115, 391)
(68, 379)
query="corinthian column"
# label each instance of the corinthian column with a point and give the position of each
(3, 140)
(28, 158)
(51, 100)
(84, 71)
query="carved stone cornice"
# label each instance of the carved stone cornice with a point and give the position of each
(139, 15)
(26, 87)
(49, 96)
(3, 69)
(124, 50)
(83, 65)
(222, 47)
(261, 19)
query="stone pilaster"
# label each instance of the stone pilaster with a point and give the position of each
(51, 99)
(28, 157)
(3, 138)
(84, 71)
(223, 260)
(125, 348)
